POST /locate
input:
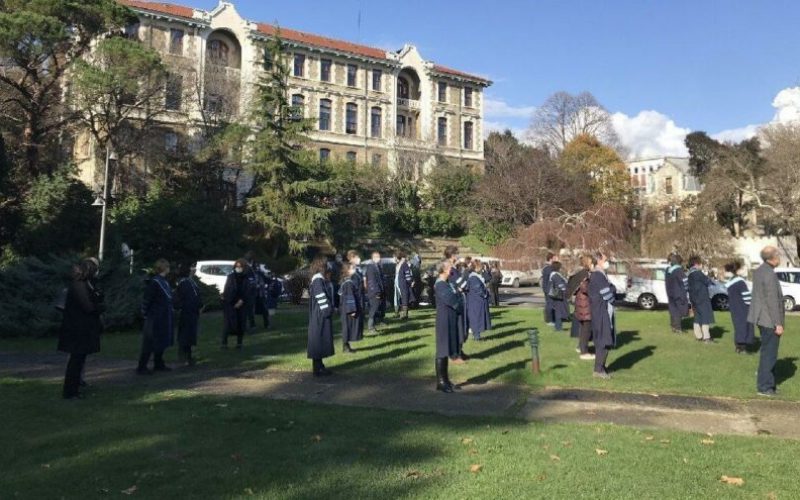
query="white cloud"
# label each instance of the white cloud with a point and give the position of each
(650, 133)
(490, 126)
(737, 134)
(498, 108)
(787, 105)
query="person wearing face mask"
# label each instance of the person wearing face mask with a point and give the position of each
(234, 299)
(403, 282)
(351, 308)
(157, 309)
(320, 318)
(677, 292)
(739, 298)
(698, 284)
(604, 328)
(376, 292)
(190, 305)
(545, 283)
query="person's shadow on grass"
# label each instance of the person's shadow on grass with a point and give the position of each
(624, 338)
(493, 374)
(507, 346)
(628, 360)
(785, 369)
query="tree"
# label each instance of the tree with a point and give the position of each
(700, 235)
(39, 41)
(586, 157)
(289, 184)
(777, 192)
(563, 117)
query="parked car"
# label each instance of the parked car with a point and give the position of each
(214, 272)
(618, 275)
(790, 284)
(649, 290)
(517, 279)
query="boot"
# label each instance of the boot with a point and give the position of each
(441, 376)
(347, 349)
(319, 369)
(159, 365)
(142, 368)
(404, 313)
(446, 375)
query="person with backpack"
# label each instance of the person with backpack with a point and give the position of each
(558, 296)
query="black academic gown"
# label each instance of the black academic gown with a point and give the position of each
(601, 298)
(675, 283)
(187, 300)
(544, 281)
(739, 301)
(320, 319)
(351, 308)
(404, 280)
(560, 306)
(477, 305)
(376, 289)
(459, 282)
(157, 310)
(698, 295)
(449, 309)
(234, 291)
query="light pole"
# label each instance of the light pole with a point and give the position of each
(103, 201)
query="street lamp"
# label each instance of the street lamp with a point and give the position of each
(101, 201)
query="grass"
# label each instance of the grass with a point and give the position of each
(649, 358)
(177, 444)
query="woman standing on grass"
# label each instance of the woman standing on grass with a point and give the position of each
(234, 300)
(601, 299)
(582, 318)
(351, 307)
(677, 298)
(188, 301)
(403, 284)
(449, 310)
(558, 295)
(320, 318)
(81, 325)
(739, 297)
(701, 300)
(157, 309)
(477, 298)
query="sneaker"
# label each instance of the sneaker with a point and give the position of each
(551, 324)
(588, 356)
(457, 361)
(602, 375)
(578, 350)
(708, 341)
(767, 394)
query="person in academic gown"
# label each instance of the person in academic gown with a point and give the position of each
(558, 296)
(601, 299)
(449, 309)
(320, 318)
(739, 297)
(578, 289)
(273, 288)
(351, 307)
(458, 277)
(677, 295)
(189, 303)
(477, 301)
(494, 286)
(698, 284)
(234, 300)
(157, 309)
(544, 281)
(376, 291)
(404, 282)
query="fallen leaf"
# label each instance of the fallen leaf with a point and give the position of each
(475, 468)
(45, 466)
(735, 481)
(130, 491)
(272, 429)
(316, 438)
(473, 451)
(649, 438)
(413, 474)
(466, 441)
(221, 405)
(601, 452)
(505, 431)
(555, 458)
(707, 441)
(567, 444)
(249, 491)
(685, 460)
(665, 441)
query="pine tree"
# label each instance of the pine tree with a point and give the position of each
(289, 182)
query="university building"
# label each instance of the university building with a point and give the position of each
(368, 105)
(663, 184)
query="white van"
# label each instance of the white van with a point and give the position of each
(790, 284)
(650, 290)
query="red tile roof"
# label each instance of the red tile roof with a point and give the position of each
(449, 71)
(164, 8)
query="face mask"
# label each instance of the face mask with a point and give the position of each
(606, 265)
(728, 275)
(742, 272)
(357, 260)
(339, 259)
(239, 270)
(376, 259)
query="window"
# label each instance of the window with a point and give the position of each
(351, 156)
(467, 135)
(401, 125)
(442, 91)
(441, 131)
(171, 142)
(299, 65)
(352, 71)
(298, 106)
(132, 31)
(468, 97)
(376, 79)
(636, 170)
(325, 114)
(324, 154)
(402, 88)
(668, 185)
(213, 103)
(325, 70)
(174, 92)
(410, 127)
(376, 160)
(375, 122)
(218, 52)
(176, 41)
(267, 59)
(351, 119)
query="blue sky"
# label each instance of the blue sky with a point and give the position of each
(700, 65)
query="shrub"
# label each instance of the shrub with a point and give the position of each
(440, 223)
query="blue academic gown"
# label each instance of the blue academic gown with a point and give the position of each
(459, 282)
(449, 308)
(351, 308)
(548, 302)
(157, 310)
(477, 305)
(675, 283)
(320, 318)
(187, 300)
(698, 295)
(403, 290)
(601, 299)
(560, 306)
(739, 297)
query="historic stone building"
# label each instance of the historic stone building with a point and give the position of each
(664, 184)
(368, 105)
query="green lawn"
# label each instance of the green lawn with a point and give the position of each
(649, 357)
(176, 444)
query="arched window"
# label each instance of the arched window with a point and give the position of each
(218, 52)
(351, 118)
(403, 89)
(324, 154)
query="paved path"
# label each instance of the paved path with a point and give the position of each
(686, 413)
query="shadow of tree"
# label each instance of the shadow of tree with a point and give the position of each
(507, 333)
(493, 374)
(626, 337)
(402, 340)
(785, 369)
(395, 353)
(628, 360)
(507, 346)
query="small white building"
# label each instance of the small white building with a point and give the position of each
(663, 183)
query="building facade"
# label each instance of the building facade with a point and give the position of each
(664, 184)
(368, 105)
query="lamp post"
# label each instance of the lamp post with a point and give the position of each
(103, 201)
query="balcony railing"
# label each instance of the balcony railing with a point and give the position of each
(408, 103)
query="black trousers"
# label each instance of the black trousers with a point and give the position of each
(495, 292)
(768, 358)
(548, 310)
(675, 316)
(584, 335)
(375, 311)
(601, 356)
(72, 378)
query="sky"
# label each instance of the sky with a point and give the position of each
(662, 68)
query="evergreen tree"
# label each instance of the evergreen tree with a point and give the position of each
(289, 183)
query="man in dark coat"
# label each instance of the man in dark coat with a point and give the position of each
(376, 291)
(252, 289)
(601, 299)
(739, 298)
(677, 295)
(81, 325)
(404, 281)
(273, 288)
(157, 309)
(477, 303)
(234, 299)
(351, 307)
(459, 282)
(320, 319)
(190, 304)
(698, 284)
(767, 311)
(544, 281)
(494, 284)
(449, 308)
(558, 295)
